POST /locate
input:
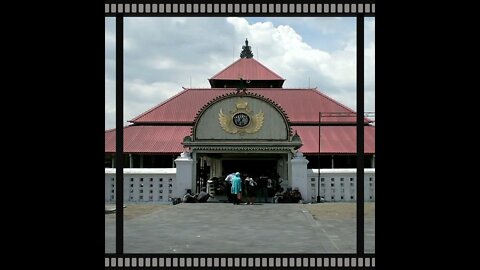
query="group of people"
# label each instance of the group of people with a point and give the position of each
(249, 188)
(236, 188)
(201, 197)
(246, 190)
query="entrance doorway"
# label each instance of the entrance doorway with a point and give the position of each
(251, 167)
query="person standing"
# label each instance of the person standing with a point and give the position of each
(228, 187)
(262, 187)
(269, 188)
(236, 188)
(251, 188)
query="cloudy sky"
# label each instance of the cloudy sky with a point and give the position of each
(163, 54)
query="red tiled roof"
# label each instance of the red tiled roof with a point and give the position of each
(335, 139)
(248, 69)
(301, 105)
(149, 139)
(168, 139)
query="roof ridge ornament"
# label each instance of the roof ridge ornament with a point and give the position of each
(246, 50)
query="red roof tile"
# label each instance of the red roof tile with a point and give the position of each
(168, 139)
(335, 139)
(248, 69)
(301, 105)
(149, 139)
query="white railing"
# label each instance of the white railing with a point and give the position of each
(143, 185)
(339, 185)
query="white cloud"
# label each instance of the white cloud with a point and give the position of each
(164, 54)
(284, 51)
(152, 93)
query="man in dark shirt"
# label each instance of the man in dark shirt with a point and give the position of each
(262, 187)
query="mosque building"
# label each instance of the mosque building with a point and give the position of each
(247, 122)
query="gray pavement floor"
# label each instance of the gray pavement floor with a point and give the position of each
(228, 228)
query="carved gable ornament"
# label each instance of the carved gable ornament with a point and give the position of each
(241, 119)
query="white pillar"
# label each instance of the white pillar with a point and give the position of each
(184, 175)
(332, 163)
(131, 160)
(373, 161)
(195, 158)
(289, 173)
(141, 161)
(299, 176)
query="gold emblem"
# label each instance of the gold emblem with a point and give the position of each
(241, 120)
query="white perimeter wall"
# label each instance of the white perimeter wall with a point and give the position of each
(142, 185)
(159, 185)
(339, 185)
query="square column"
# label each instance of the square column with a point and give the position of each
(184, 176)
(299, 175)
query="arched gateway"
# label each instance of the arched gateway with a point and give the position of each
(243, 132)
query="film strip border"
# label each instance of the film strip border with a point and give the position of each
(186, 8)
(189, 8)
(365, 261)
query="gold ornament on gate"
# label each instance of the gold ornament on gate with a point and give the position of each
(241, 120)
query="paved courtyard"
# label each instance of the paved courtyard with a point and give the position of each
(227, 228)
